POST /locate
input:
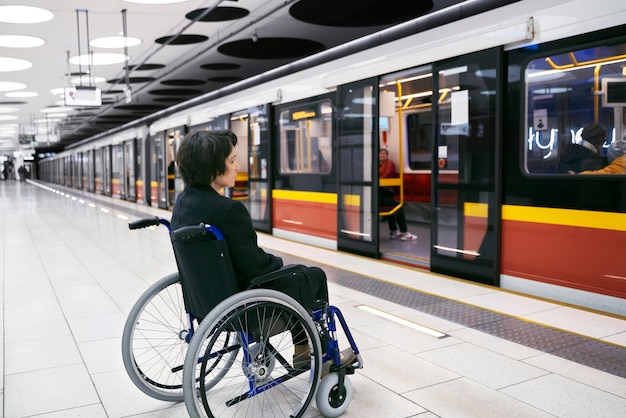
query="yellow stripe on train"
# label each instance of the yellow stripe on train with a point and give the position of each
(300, 196)
(566, 217)
(552, 216)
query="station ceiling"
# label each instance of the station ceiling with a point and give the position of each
(186, 48)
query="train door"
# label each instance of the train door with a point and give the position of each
(157, 170)
(142, 172)
(405, 133)
(106, 170)
(239, 122)
(76, 170)
(357, 197)
(118, 188)
(78, 163)
(304, 194)
(259, 202)
(83, 173)
(174, 184)
(91, 170)
(130, 181)
(67, 171)
(98, 173)
(466, 209)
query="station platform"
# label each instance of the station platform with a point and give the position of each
(71, 271)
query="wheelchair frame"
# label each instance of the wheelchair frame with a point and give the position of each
(170, 357)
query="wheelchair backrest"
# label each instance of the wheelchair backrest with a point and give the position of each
(204, 265)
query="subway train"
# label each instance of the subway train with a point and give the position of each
(475, 114)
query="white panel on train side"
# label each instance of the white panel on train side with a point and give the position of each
(504, 26)
(133, 133)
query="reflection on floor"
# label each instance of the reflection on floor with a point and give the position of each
(416, 252)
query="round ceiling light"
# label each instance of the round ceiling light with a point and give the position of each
(115, 42)
(101, 58)
(8, 117)
(11, 86)
(24, 14)
(22, 94)
(20, 41)
(13, 64)
(7, 109)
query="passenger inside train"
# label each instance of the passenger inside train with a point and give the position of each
(586, 155)
(387, 169)
(616, 154)
(208, 163)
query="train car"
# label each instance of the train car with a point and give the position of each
(475, 113)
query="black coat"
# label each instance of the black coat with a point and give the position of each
(195, 205)
(577, 158)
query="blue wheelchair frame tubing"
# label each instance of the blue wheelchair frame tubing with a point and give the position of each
(328, 315)
(332, 344)
(254, 389)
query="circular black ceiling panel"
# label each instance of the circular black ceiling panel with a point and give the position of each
(271, 48)
(346, 13)
(183, 82)
(174, 92)
(145, 67)
(12, 102)
(224, 79)
(220, 66)
(219, 14)
(131, 80)
(181, 39)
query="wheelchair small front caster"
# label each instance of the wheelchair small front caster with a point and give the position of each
(332, 400)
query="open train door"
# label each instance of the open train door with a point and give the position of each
(465, 238)
(357, 133)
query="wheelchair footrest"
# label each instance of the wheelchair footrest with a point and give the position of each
(348, 358)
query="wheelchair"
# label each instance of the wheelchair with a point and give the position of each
(238, 360)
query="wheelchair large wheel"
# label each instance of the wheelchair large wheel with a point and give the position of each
(154, 340)
(262, 380)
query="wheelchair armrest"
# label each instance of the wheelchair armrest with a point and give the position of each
(273, 275)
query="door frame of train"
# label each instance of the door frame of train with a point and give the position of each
(260, 174)
(357, 179)
(473, 200)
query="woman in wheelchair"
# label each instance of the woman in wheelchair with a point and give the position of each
(207, 161)
(219, 333)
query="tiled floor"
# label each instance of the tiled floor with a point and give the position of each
(71, 270)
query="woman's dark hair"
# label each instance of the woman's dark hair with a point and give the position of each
(202, 156)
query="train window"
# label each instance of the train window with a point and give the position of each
(411, 92)
(563, 93)
(305, 139)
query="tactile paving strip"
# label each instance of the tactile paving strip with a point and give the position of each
(593, 353)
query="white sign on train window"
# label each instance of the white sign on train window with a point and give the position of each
(459, 107)
(540, 119)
